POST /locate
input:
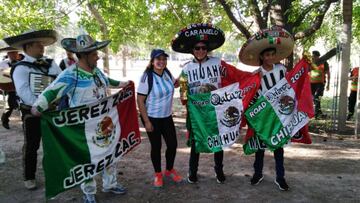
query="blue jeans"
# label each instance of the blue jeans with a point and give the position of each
(279, 162)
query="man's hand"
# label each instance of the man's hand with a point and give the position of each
(124, 84)
(35, 112)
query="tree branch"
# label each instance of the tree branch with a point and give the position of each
(104, 31)
(257, 14)
(266, 11)
(303, 14)
(316, 24)
(208, 17)
(238, 24)
(181, 20)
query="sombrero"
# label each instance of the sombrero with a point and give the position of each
(83, 43)
(186, 38)
(8, 49)
(275, 37)
(47, 37)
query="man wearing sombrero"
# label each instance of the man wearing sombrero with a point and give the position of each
(28, 76)
(83, 83)
(266, 49)
(203, 74)
(6, 84)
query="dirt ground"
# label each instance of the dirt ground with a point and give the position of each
(326, 171)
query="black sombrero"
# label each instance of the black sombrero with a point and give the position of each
(186, 38)
(47, 37)
(82, 44)
(275, 37)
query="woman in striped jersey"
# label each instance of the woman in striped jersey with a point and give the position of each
(155, 98)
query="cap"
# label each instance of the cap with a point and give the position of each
(158, 52)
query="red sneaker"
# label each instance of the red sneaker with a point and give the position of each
(173, 175)
(158, 181)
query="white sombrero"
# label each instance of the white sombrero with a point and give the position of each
(46, 37)
(275, 37)
(82, 44)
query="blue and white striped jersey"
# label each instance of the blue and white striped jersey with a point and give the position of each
(160, 99)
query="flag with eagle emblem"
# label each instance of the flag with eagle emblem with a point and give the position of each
(215, 116)
(81, 142)
(282, 113)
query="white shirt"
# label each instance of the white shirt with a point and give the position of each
(160, 99)
(208, 73)
(270, 78)
(4, 64)
(21, 77)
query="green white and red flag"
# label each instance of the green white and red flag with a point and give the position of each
(215, 117)
(282, 113)
(81, 142)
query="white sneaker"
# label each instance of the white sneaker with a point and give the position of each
(30, 184)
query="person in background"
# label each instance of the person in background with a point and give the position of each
(354, 74)
(318, 81)
(68, 61)
(155, 100)
(13, 57)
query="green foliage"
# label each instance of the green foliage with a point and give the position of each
(152, 23)
(17, 16)
(329, 30)
(356, 20)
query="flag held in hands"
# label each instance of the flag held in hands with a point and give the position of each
(282, 113)
(81, 142)
(216, 116)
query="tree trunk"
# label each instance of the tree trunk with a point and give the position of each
(105, 35)
(345, 63)
(124, 59)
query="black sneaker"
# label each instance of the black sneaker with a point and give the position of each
(256, 179)
(192, 178)
(5, 121)
(220, 176)
(281, 183)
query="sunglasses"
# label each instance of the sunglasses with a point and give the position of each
(201, 47)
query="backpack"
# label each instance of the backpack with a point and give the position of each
(151, 79)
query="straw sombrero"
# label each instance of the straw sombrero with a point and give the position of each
(186, 38)
(47, 37)
(82, 44)
(275, 37)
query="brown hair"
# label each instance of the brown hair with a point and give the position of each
(150, 66)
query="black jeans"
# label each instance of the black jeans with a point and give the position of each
(352, 102)
(32, 138)
(194, 159)
(279, 162)
(13, 104)
(166, 128)
(317, 90)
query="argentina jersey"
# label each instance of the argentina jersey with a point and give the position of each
(160, 98)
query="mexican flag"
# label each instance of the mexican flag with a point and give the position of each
(81, 142)
(282, 113)
(215, 117)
